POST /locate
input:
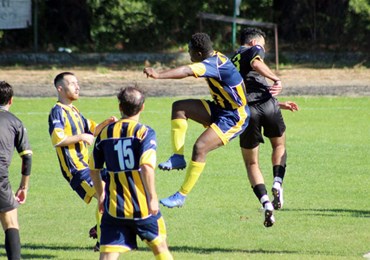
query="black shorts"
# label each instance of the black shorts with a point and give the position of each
(7, 199)
(266, 115)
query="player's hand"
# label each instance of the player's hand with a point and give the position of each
(153, 206)
(150, 72)
(289, 105)
(21, 195)
(87, 138)
(276, 88)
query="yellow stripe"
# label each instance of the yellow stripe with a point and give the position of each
(63, 163)
(104, 133)
(25, 152)
(114, 249)
(140, 191)
(128, 207)
(243, 115)
(113, 196)
(117, 130)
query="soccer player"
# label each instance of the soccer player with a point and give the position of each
(70, 134)
(265, 113)
(224, 118)
(13, 136)
(129, 203)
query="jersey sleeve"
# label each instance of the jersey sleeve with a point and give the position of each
(96, 158)
(89, 125)
(21, 141)
(257, 52)
(56, 125)
(149, 148)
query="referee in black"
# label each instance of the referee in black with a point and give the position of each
(13, 135)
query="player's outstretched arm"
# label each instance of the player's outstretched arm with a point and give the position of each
(176, 73)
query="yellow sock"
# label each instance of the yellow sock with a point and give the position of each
(178, 133)
(98, 216)
(192, 175)
(166, 255)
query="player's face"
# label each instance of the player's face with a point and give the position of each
(195, 56)
(71, 89)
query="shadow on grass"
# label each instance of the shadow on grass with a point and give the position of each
(335, 212)
(183, 249)
(43, 247)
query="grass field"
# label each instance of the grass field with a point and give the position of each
(326, 213)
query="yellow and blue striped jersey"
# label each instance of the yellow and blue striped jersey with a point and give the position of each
(122, 147)
(67, 121)
(224, 80)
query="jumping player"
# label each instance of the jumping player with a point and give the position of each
(225, 117)
(265, 113)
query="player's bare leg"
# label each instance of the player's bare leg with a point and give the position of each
(278, 158)
(182, 110)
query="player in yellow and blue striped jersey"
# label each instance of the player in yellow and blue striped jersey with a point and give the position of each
(129, 203)
(71, 133)
(225, 117)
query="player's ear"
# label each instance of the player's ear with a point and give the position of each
(10, 101)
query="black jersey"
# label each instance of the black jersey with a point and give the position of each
(256, 85)
(12, 135)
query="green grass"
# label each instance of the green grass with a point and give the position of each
(326, 213)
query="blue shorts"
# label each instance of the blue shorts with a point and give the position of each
(228, 124)
(119, 235)
(82, 184)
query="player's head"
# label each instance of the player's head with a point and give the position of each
(200, 47)
(131, 101)
(252, 36)
(6, 93)
(67, 86)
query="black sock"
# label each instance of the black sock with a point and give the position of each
(260, 191)
(12, 244)
(279, 171)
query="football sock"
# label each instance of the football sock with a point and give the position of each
(12, 244)
(165, 255)
(261, 193)
(178, 133)
(278, 172)
(192, 174)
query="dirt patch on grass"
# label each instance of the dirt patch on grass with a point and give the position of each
(106, 82)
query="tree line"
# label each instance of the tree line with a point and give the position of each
(166, 25)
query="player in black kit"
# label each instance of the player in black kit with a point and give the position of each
(266, 114)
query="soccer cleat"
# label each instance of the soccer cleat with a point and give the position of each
(269, 215)
(96, 248)
(175, 200)
(367, 255)
(93, 233)
(277, 192)
(175, 162)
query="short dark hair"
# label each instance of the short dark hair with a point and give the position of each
(249, 34)
(131, 100)
(58, 80)
(201, 42)
(6, 93)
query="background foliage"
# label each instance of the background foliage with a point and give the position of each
(165, 25)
